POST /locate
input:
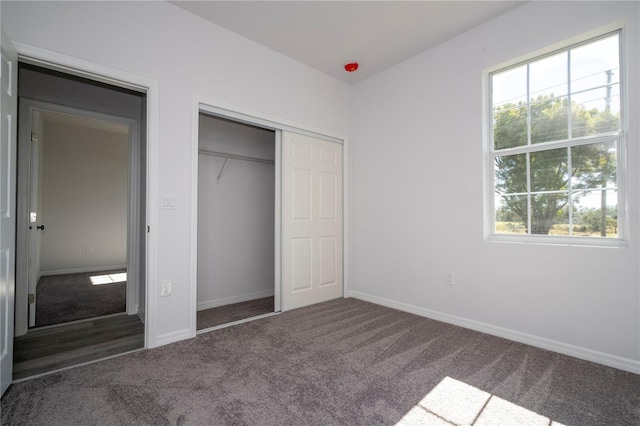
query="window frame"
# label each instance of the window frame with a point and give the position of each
(491, 153)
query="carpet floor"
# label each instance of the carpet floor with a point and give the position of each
(208, 318)
(343, 362)
(71, 297)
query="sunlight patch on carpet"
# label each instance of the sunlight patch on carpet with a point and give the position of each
(453, 402)
(109, 278)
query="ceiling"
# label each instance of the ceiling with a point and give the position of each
(327, 34)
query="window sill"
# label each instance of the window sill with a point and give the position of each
(551, 240)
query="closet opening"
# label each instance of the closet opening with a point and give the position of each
(236, 237)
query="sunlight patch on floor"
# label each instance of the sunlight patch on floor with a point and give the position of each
(109, 278)
(453, 402)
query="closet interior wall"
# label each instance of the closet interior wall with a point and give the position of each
(236, 219)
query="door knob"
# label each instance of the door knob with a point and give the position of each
(41, 227)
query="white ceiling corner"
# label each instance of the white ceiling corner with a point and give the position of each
(327, 34)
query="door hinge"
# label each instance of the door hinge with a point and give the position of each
(34, 137)
(32, 298)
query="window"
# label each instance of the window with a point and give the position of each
(556, 145)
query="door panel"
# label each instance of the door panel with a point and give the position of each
(312, 221)
(327, 264)
(8, 113)
(301, 264)
(301, 194)
(327, 196)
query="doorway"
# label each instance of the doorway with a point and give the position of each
(81, 220)
(78, 189)
(236, 222)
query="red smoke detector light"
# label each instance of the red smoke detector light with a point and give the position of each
(351, 67)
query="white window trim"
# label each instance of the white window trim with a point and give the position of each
(489, 153)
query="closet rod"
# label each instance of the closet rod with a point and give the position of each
(235, 156)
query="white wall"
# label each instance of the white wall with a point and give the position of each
(417, 198)
(84, 198)
(236, 220)
(187, 56)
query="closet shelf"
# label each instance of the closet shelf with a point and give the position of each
(228, 155)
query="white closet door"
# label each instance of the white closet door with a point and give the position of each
(8, 109)
(311, 220)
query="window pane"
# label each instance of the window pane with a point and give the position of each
(511, 174)
(596, 111)
(594, 166)
(549, 170)
(548, 77)
(509, 87)
(590, 219)
(509, 127)
(560, 182)
(549, 120)
(511, 214)
(595, 64)
(546, 210)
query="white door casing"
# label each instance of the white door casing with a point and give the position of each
(8, 113)
(34, 230)
(27, 234)
(312, 221)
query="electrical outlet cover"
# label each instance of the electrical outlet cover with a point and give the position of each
(165, 288)
(449, 278)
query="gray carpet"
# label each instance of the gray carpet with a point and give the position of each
(208, 318)
(344, 362)
(71, 297)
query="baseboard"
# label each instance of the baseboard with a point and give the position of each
(83, 270)
(234, 299)
(174, 336)
(626, 364)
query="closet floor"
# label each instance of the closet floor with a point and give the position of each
(237, 311)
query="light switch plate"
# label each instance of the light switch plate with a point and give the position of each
(169, 202)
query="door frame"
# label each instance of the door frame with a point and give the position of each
(216, 108)
(151, 87)
(25, 284)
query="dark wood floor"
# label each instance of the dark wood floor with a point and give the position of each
(237, 311)
(47, 349)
